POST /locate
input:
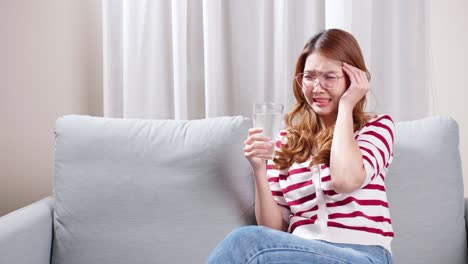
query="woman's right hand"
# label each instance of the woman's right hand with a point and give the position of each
(258, 148)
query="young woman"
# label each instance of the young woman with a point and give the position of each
(322, 199)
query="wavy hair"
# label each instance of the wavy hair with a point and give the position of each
(306, 137)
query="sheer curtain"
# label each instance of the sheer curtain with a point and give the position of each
(395, 39)
(189, 59)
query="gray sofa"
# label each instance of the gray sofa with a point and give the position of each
(154, 191)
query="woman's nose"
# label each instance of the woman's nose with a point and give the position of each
(316, 85)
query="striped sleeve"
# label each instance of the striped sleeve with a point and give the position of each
(375, 141)
(274, 176)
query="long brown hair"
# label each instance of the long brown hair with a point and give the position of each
(306, 137)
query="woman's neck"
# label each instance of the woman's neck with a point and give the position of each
(326, 122)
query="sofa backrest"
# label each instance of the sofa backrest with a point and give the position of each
(425, 191)
(148, 191)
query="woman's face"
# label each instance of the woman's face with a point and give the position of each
(320, 95)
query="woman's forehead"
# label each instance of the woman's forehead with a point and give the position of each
(320, 63)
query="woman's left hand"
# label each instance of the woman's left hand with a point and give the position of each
(358, 88)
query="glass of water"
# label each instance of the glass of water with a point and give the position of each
(268, 116)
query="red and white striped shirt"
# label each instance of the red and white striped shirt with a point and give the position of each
(315, 211)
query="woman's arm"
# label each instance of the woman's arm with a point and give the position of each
(267, 211)
(346, 165)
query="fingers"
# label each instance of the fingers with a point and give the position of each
(259, 151)
(258, 145)
(355, 74)
(255, 130)
(254, 135)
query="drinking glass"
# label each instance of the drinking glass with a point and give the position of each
(268, 116)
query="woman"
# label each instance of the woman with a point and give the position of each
(322, 198)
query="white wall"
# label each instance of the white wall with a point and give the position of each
(449, 41)
(50, 65)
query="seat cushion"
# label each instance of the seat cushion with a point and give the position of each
(425, 191)
(148, 191)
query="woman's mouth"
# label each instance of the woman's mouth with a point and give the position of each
(321, 102)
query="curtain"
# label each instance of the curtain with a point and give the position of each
(395, 39)
(190, 59)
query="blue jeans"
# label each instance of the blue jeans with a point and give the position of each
(258, 244)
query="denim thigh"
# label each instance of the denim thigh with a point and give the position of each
(258, 244)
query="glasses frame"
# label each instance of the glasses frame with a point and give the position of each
(316, 80)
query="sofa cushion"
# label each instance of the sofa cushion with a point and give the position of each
(148, 191)
(425, 191)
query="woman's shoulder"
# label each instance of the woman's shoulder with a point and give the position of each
(375, 119)
(377, 122)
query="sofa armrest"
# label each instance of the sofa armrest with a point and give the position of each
(26, 234)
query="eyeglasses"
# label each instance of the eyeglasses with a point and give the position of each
(328, 80)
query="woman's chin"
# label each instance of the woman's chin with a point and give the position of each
(322, 110)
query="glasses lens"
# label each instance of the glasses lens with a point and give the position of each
(328, 80)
